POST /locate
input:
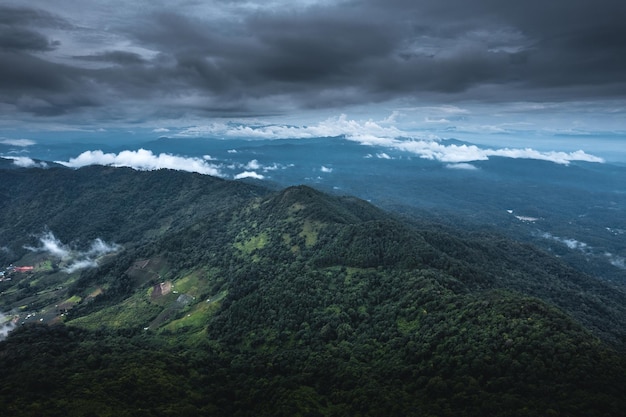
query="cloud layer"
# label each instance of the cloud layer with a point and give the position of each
(386, 134)
(112, 61)
(17, 142)
(143, 160)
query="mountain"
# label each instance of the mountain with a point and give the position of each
(575, 210)
(218, 297)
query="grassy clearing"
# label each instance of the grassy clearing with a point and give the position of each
(310, 232)
(198, 315)
(407, 327)
(44, 266)
(255, 242)
(134, 312)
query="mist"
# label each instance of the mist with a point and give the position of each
(73, 258)
(5, 326)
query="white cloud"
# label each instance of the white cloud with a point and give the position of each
(160, 130)
(74, 259)
(570, 243)
(331, 127)
(383, 155)
(275, 167)
(326, 169)
(432, 120)
(17, 142)
(436, 150)
(462, 165)
(51, 245)
(249, 174)
(80, 264)
(255, 165)
(100, 247)
(252, 165)
(26, 162)
(143, 160)
(574, 244)
(616, 261)
(385, 133)
(6, 325)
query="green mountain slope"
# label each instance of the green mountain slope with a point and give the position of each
(110, 203)
(233, 300)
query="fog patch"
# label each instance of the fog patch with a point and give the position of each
(6, 325)
(616, 261)
(464, 166)
(80, 264)
(570, 243)
(73, 258)
(49, 244)
(26, 162)
(17, 142)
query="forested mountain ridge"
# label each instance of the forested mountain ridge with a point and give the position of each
(229, 299)
(111, 203)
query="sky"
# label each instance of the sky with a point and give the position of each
(544, 74)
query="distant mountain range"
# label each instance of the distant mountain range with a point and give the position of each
(172, 293)
(575, 210)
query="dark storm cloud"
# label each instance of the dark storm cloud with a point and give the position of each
(115, 57)
(33, 85)
(245, 60)
(16, 39)
(18, 29)
(15, 16)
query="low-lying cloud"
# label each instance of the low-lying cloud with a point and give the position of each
(464, 166)
(17, 142)
(6, 325)
(615, 260)
(573, 244)
(49, 244)
(144, 160)
(570, 243)
(453, 153)
(331, 127)
(72, 258)
(251, 168)
(383, 134)
(249, 174)
(26, 162)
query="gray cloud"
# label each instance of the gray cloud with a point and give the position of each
(12, 39)
(19, 29)
(180, 59)
(115, 57)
